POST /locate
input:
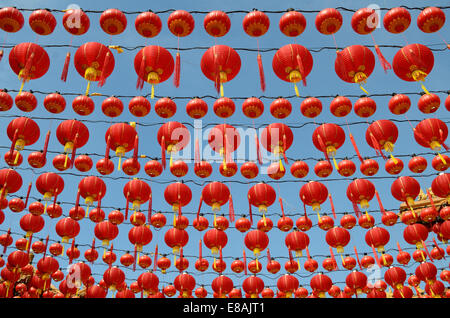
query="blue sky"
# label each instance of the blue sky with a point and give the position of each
(321, 82)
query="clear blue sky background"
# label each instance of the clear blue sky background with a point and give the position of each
(321, 82)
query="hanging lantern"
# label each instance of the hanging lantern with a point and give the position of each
(311, 107)
(26, 101)
(224, 107)
(220, 64)
(346, 168)
(83, 163)
(153, 168)
(431, 19)
(277, 138)
(181, 24)
(365, 107)
(94, 62)
(112, 107)
(179, 168)
(177, 195)
(49, 185)
(439, 163)
(153, 64)
(262, 196)
(280, 108)
(216, 194)
(249, 170)
(360, 191)
(256, 24)
(397, 20)
(429, 103)
(224, 139)
(173, 137)
(139, 106)
(121, 138)
(6, 101)
(54, 103)
(413, 63)
(314, 194)
(340, 106)
(203, 169)
(253, 107)
(431, 133)
(113, 21)
(292, 23)
(22, 131)
(328, 21)
(42, 22)
(83, 105)
(11, 19)
(405, 189)
(217, 23)
(29, 61)
(67, 229)
(196, 108)
(399, 104)
(417, 164)
(328, 138)
(382, 134)
(299, 169)
(293, 63)
(72, 134)
(138, 192)
(440, 186)
(323, 168)
(321, 284)
(148, 24)
(91, 189)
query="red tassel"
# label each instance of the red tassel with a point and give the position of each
(108, 147)
(200, 249)
(269, 259)
(47, 139)
(379, 202)
(150, 202)
(245, 263)
(281, 205)
(28, 194)
(437, 246)
(13, 144)
(199, 206)
(176, 77)
(301, 69)
(93, 247)
(102, 80)
(376, 146)
(136, 148)
(284, 149)
(261, 73)
(231, 209)
(135, 255)
(74, 150)
(163, 152)
(426, 250)
(290, 255)
(8, 235)
(250, 211)
(141, 74)
(126, 208)
(26, 70)
(46, 244)
(323, 146)
(197, 152)
(332, 206)
(29, 243)
(334, 259)
(356, 147)
(357, 257)
(258, 149)
(376, 256)
(384, 63)
(445, 146)
(72, 246)
(356, 209)
(77, 201)
(155, 260)
(65, 68)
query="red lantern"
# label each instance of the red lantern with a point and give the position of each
(417, 164)
(299, 169)
(377, 237)
(397, 20)
(355, 64)
(224, 139)
(138, 192)
(220, 64)
(328, 138)
(72, 134)
(314, 194)
(139, 106)
(429, 103)
(328, 21)
(338, 238)
(431, 19)
(277, 138)
(224, 107)
(292, 23)
(405, 189)
(113, 21)
(76, 22)
(42, 22)
(91, 189)
(440, 163)
(369, 167)
(323, 169)
(203, 169)
(196, 108)
(94, 62)
(262, 196)
(49, 185)
(297, 241)
(356, 281)
(112, 107)
(399, 104)
(83, 105)
(280, 108)
(394, 167)
(148, 24)
(217, 23)
(293, 63)
(10, 182)
(365, 107)
(184, 283)
(6, 101)
(54, 103)
(431, 133)
(121, 138)
(153, 168)
(11, 19)
(106, 232)
(382, 134)
(346, 168)
(321, 284)
(413, 63)
(256, 241)
(311, 107)
(253, 107)
(67, 229)
(173, 137)
(340, 106)
(177, 195)
(26, 101)
(249, 170)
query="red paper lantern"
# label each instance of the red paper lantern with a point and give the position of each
(217, 23)
(328, 21)
(203, 169)
(340, 106)
(365, 107)
(148, 24)
(431, 19)
(224, 107)
(112, 107)
(253, 107)
(42, 22)
(280, 108)
(292, 23)
(397, 20)
(311, 107)
(139, 106)
(377, 237)
(299, 169)
(113, 21)
(399, 104)
(196, 108)
(76, 22)
(429, 103)
(249, 170)
(11, 19)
